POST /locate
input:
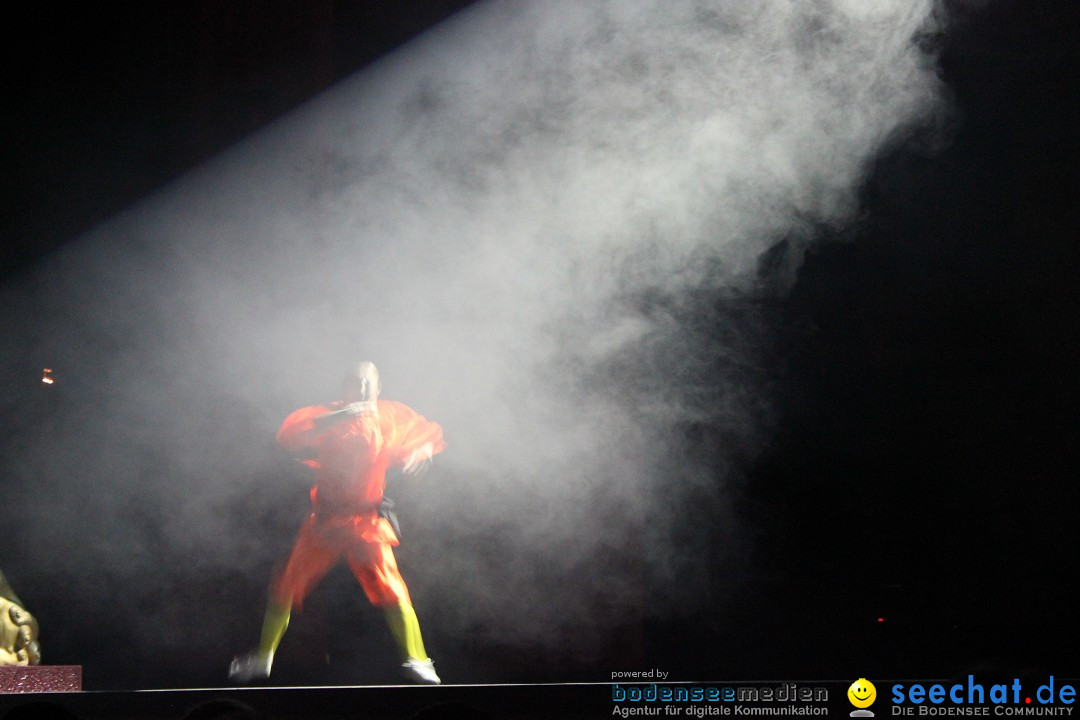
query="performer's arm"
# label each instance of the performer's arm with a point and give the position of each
(418, 460)
(300, 428)
(417, 439)
(326, 420)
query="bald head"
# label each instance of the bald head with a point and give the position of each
(361, 383)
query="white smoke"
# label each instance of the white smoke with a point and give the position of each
(513, 217)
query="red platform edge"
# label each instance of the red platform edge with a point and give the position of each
(40, 678)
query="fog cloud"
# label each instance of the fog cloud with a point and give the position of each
(516, 217)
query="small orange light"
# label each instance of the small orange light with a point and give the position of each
(45, 377)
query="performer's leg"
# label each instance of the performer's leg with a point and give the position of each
(310, 560)
(376, 569)
(275, 623)
(257, 664)
(405, 628)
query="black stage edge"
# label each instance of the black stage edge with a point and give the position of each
(404, 702)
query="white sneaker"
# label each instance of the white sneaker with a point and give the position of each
(253, 666)
(420, 672)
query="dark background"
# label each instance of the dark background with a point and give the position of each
(916, 505)
(108, 103)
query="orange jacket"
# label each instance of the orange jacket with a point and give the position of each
(352, 456)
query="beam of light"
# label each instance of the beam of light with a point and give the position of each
(512, 216)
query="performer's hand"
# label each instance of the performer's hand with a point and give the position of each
(356, 408)
(346, 412)
(418, 461)
(18, 635)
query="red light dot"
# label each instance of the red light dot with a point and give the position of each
(881, 619)
(1027, 700)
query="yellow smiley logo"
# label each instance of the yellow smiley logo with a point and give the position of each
(862, 693)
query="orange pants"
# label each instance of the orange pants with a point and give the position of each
(364, 541)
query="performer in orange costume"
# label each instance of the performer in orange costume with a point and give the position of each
(354, 441)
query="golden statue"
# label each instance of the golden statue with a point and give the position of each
(18, 629)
